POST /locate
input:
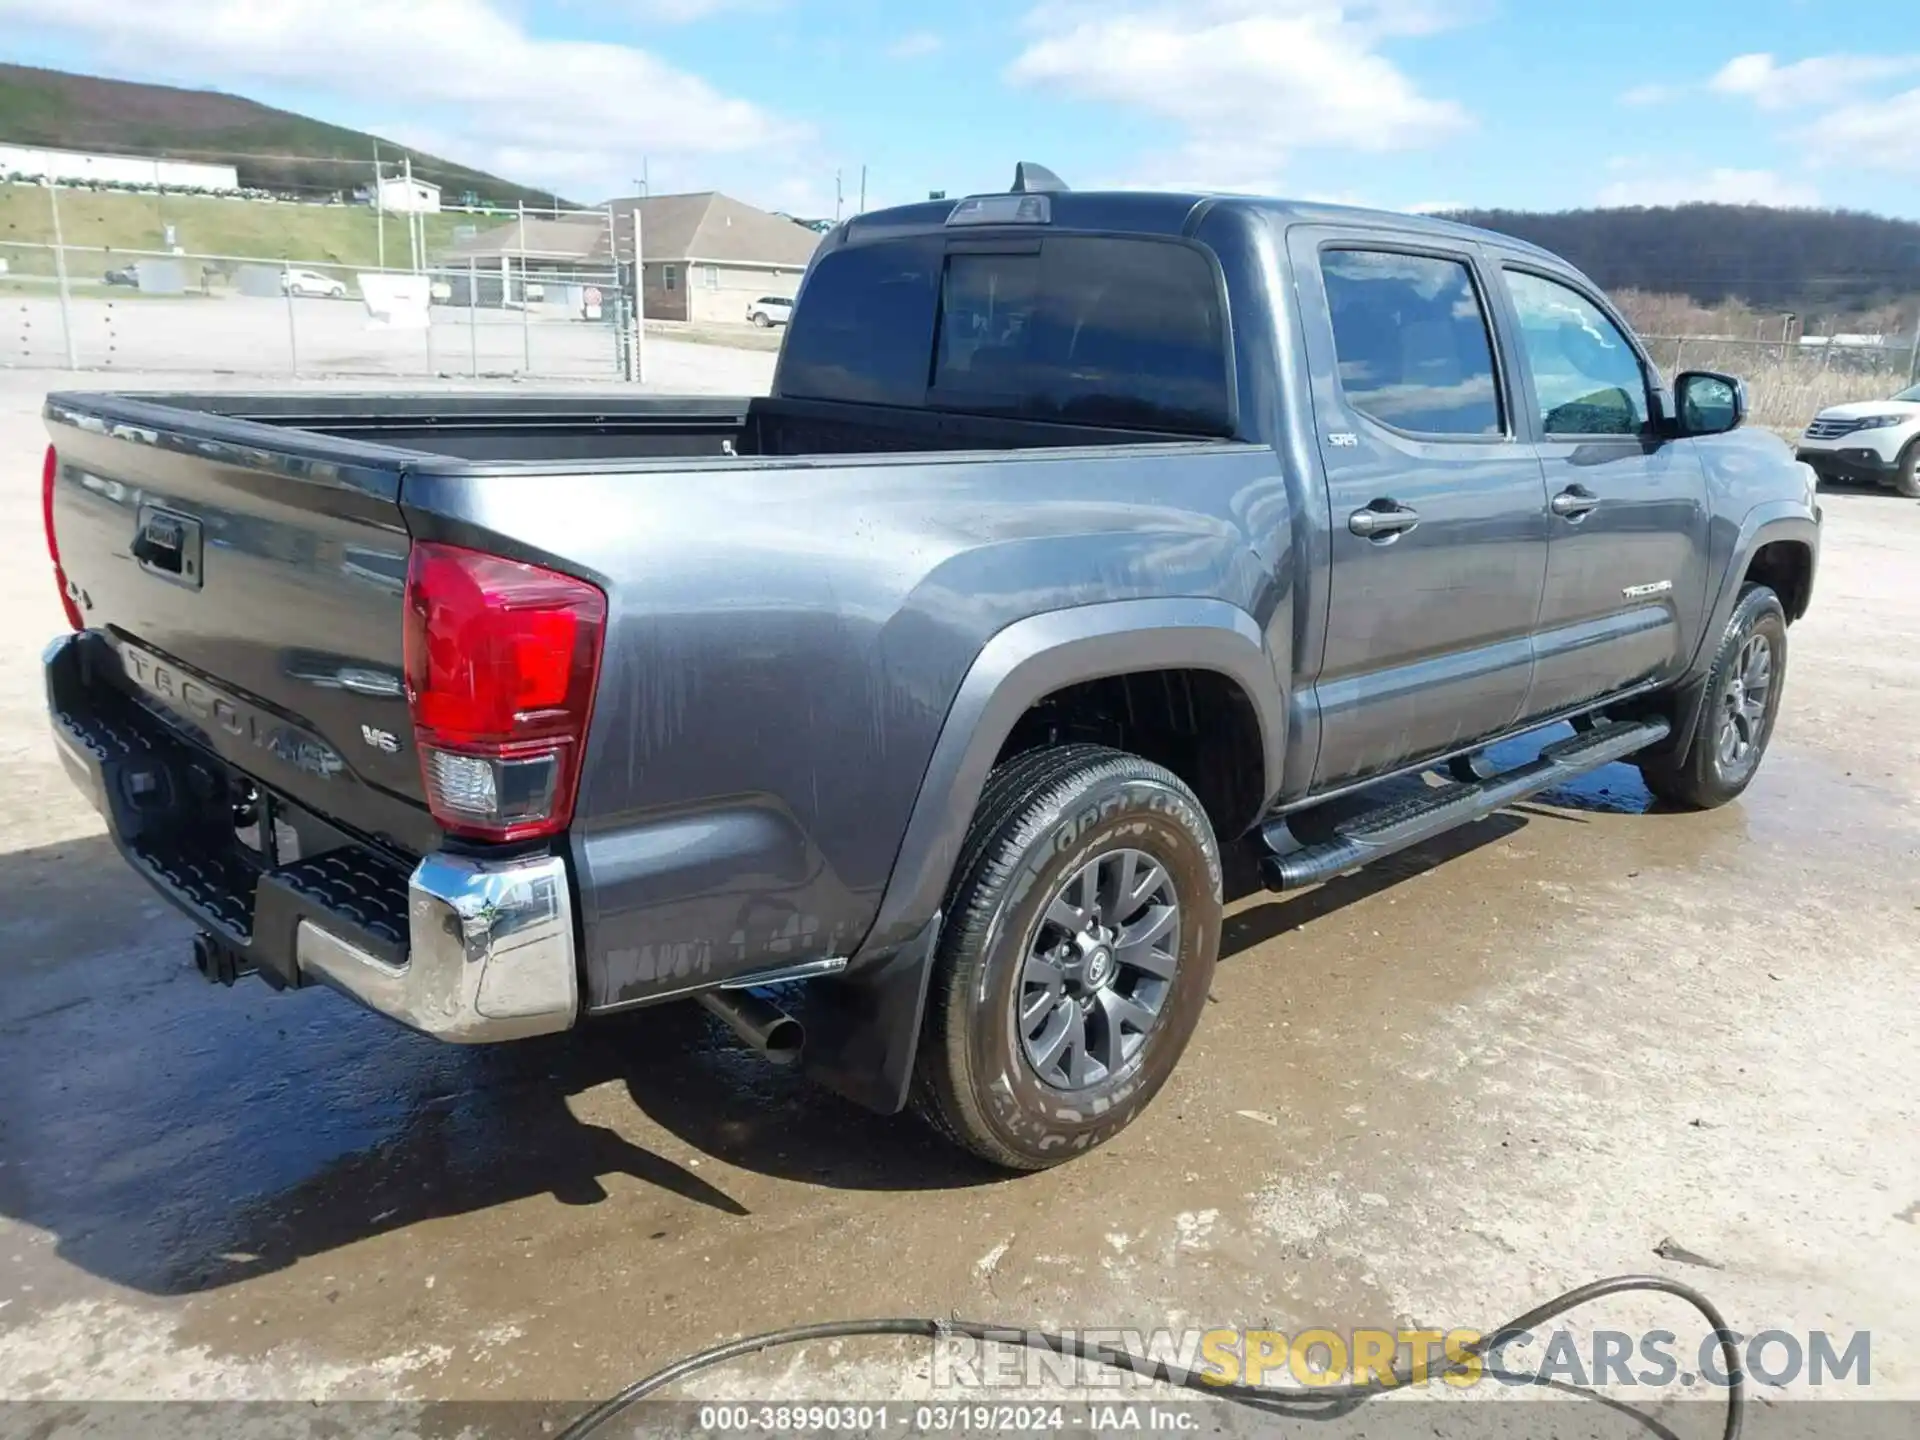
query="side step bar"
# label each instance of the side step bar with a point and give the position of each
(1381, 832)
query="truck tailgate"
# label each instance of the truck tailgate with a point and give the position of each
(251, 582)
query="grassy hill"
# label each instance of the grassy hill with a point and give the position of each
(108, 221)
(1814, 263)
(86, 112)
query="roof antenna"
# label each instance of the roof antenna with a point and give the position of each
(1032, 179)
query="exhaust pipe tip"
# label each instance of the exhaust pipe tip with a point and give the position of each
(217, 963)
(766, 1028)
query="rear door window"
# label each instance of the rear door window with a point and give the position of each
(1412, 341)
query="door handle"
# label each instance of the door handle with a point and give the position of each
(1574, 502)
(1382, 520)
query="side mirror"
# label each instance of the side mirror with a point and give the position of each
(1706, 403)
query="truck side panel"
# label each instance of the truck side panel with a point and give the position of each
(785, 642)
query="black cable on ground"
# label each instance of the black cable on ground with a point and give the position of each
(1319, 1402)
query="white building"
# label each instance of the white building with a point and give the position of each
(398, 195)
(79, 168)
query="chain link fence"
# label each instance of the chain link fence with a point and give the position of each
(89, 308)
(1789, 382)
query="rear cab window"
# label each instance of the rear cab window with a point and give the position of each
(1122, 332)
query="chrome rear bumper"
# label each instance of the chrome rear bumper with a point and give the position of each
(490, 952)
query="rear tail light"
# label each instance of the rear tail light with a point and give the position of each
(49, 472)
(502, 660)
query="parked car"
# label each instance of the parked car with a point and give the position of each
(770, 310)
(125, 275)
(312, 283)
(902, 716)
(1870, 442)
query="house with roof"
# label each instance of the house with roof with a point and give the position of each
(704, 257)
(707, 256)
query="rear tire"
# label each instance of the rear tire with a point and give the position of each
(1906, 477)
(1736, 719)
(761, 319)
(1044, 1039)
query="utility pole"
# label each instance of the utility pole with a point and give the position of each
(863, 190)
(837, 198)
(1913, 365)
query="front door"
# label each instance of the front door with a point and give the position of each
(1627, 553)
(1438, 516)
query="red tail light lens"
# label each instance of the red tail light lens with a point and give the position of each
(502, 659)
(49, 472)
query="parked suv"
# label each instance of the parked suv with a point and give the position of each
(770, 310)
(902, 716)
(1872, 442)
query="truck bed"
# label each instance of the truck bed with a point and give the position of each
(493, 427)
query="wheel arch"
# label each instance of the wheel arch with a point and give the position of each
(1022, 666)
(1777, 542)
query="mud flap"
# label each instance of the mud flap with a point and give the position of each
(863, 1028)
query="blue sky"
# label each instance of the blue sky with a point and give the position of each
(1400, 103)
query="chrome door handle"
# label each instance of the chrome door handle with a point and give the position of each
(1574, 502)
(1371, 523)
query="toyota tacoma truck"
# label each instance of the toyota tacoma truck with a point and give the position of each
(902, 716)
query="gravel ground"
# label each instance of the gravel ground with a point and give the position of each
(1527, 1055)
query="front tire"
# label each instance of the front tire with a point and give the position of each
(1082, 931)
(1736, 718)
(761, 320)
(1906, 478)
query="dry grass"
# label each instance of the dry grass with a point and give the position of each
(1787, 389)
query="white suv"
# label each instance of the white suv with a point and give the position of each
(770, 310)
(1876, 442)
(312, 282)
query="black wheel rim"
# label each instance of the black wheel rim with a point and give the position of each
(1098, 969)
(1744, 704)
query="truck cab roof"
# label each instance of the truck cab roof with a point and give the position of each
(1173, 213)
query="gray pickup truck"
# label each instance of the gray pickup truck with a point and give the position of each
(902, 716)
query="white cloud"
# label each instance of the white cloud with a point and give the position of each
(1246, 82)
(1644, 96)
(1819, 80)
(569, 115)
(1876, 134)
(914, 45)
(1723, 187)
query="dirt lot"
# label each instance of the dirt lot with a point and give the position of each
(1433, 1093)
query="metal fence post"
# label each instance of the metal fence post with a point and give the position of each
(1679, 350)
(473, 316)
(1913, 363)
(293, 326)
(526, 305)
(60, 275)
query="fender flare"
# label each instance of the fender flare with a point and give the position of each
(1764, 525)
(863, 1026)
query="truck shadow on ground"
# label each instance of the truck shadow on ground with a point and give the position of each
(175, 1137)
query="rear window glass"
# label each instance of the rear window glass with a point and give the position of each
(866, 330)
(1093, 331)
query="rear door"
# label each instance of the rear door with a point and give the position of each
(1438, 513)
(1627, 553)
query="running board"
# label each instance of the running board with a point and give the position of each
(1367, 837)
